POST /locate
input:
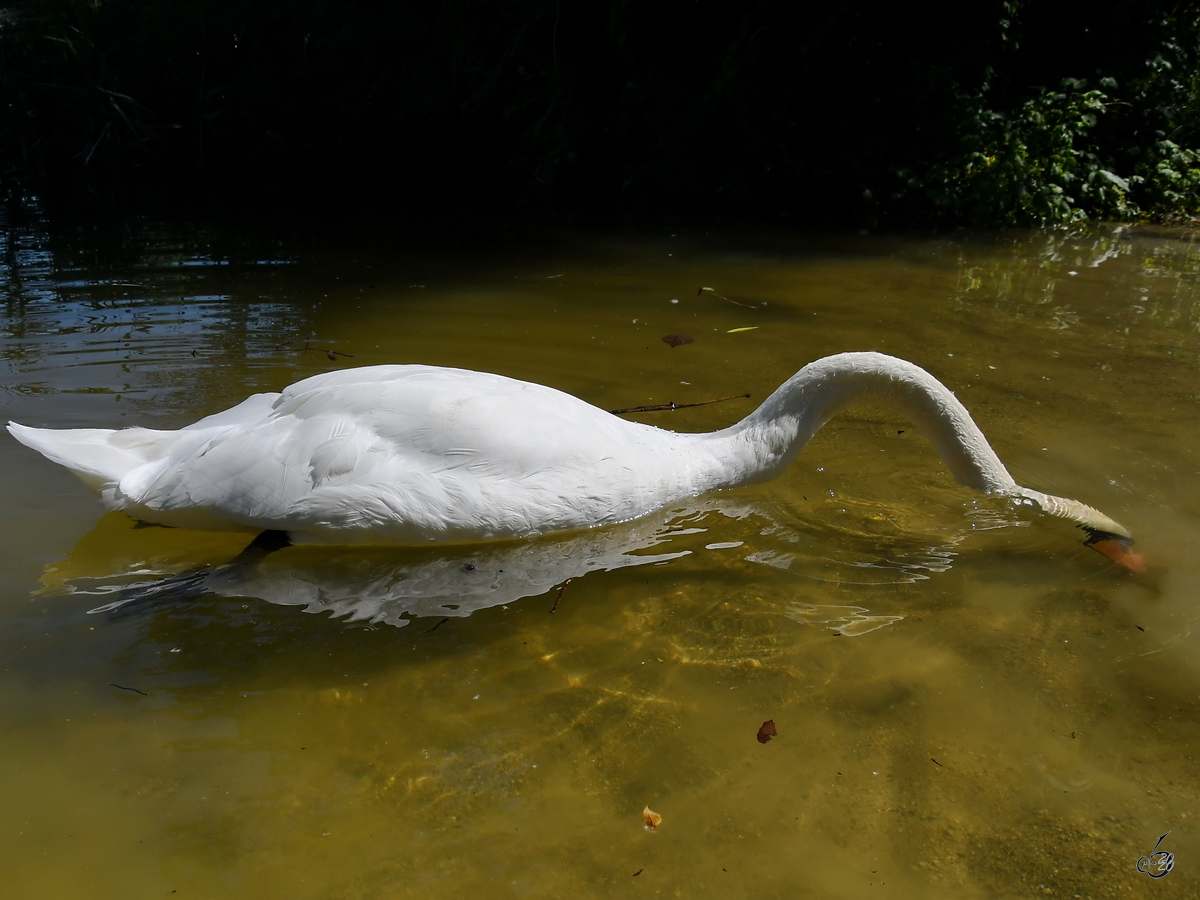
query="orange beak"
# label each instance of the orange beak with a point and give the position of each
(1118, 549)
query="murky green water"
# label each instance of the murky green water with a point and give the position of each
(968, 703)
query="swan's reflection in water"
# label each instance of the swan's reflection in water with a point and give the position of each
(396, 585)
(130, 567)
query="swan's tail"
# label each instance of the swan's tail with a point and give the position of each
(100, 457)
(1104, 535)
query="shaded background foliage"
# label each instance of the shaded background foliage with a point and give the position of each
(1005, 112)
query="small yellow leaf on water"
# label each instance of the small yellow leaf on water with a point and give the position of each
(736, 330)
(651, 818)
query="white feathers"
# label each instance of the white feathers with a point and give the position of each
(99, 456)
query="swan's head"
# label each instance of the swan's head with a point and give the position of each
(1117, 547)
(1104, 535)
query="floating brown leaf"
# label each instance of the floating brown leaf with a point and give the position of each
(675, 340)
(651, 818)
(767, 731)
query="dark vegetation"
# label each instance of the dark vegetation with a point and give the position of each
(1003, 113)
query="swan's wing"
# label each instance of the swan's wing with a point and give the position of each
(483, 456)
(411, 453)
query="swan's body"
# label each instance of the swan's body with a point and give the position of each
(411, 454)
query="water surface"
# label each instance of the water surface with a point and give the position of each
(969, 702)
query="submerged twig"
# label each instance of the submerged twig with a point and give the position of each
(560, 593)
(332, 354)
(135, 690)
(701, 290)
(663, 407)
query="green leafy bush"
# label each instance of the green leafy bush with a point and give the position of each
(1036, 165)
(1171, 177)
(839, 114)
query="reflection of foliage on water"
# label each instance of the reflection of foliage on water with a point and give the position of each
(1021, 274)
(1042, 278)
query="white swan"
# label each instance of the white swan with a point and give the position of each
(410, 454)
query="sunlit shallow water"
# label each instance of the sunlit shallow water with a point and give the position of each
(968, 701)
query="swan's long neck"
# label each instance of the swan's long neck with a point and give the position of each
(763, 444)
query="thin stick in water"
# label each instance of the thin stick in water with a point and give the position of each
(560, 593)
(663, 407)
(723, 297)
